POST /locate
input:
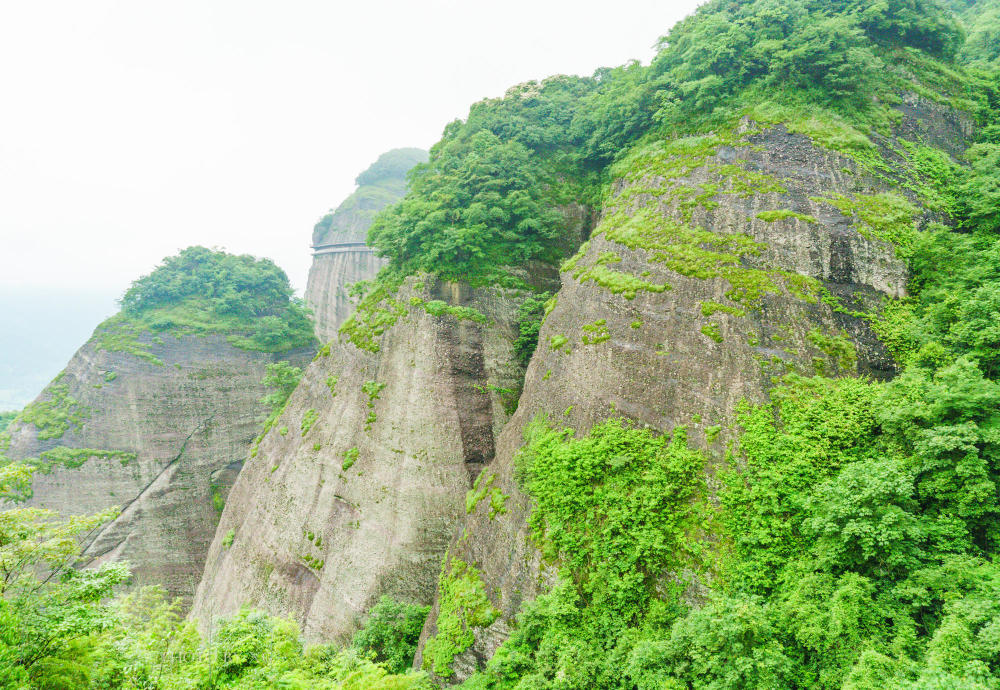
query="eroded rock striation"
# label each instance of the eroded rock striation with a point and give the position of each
(357, 489)
(159, 432)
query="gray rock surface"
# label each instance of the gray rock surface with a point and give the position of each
(180, 429)
(306, 532)
(326, 290)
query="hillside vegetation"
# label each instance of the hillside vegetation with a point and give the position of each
(851, 543)
(201, 291)
(380, 185)
(849, 538)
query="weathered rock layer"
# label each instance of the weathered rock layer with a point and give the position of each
(358, 488)
(162, 441)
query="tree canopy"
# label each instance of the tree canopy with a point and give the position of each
(205, 291)
(493, 180)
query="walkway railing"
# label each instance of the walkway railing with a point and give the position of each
(340, 248)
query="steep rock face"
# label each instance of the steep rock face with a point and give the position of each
(340, 256)
(329, 276)
(713, 270)
(163, 441)
(359, 486)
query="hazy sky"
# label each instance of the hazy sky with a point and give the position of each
(131, 129)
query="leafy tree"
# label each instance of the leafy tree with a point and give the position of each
(864, 521)
(282, 378)
(469, 213)
(53, 604)
(946, 423)
(923, 24)
(982, 20)
(729, 643)
(391, 633)
(205, 291)
(980, 193)
(529, 321)
(148, 645)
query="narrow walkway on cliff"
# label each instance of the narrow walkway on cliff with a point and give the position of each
(340, 248)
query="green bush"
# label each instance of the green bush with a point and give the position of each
(530, 314)
(54, 415)
(201, 291)
(476, 207)
(463, 605)
(390, 633)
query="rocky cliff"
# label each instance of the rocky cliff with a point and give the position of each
(357, 489)
(720, 263)
(156, 425)
(340, 256)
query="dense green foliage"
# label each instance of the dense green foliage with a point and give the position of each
(6, 418)
(849, 537)
(470, 211)
(853, 535)
(200, 291)
(616, 509)
(60, 628)
(530, 314)
(484, 206)
(238, 285)
(982, 25)
(48, 607)
(856, 537)
(827, 52)
(391, 632)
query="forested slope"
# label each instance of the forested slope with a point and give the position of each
(828, 155)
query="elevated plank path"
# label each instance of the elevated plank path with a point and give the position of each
(340, 248)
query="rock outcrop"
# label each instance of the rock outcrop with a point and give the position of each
(340, 256)
(719, 264)
(159, 432)
(359, 486)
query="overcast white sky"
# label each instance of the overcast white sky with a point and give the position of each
(131, 129)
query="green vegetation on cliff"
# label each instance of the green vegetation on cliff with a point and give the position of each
(981, 19)
(645, 492)
(55, 413)
(58, 628)
(6, 418)
(847, 539)
(477, 205)
(463, 606)
(851, 541)
(383, 183)
(391, 632)
(282, 378)
(200, 292)
(482, 209)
